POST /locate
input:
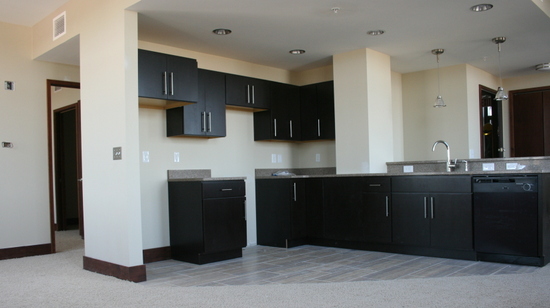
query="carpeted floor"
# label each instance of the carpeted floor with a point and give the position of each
(58, 280)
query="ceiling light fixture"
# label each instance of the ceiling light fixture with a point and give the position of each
(375, 32)
(438, 101)
(481, 7)
(500, 96)
(335, 9)
(543, 67)
(221, 31)
(297, 51)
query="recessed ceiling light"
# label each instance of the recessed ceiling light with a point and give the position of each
(543, 67)
(481, 7)
(297, 51)
(375, 32)
(221, 31)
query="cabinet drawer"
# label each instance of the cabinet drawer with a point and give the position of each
(432, 183)
(223, 189)
(377, 184)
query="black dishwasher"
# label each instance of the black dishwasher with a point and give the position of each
(506, 219)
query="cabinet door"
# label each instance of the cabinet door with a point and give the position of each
(151, 74)
(376, 218)
(246, 92)
(325, 96)
(308, 113)
(298, 214)
(314, 208)
(282, 120)
(273, 211)
(451, 221)
(342, 209)
(410, 223)
(224, 224)
(214, 96)
(182, 78)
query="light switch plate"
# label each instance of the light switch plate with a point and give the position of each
(511, 166)
(117, 153)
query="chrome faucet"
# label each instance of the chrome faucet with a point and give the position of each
(450, 166)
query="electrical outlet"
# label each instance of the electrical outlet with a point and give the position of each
(176, 157)
(279, 158)
(273, 158)
(145, 156)
(117, 153)
(408, 169)
(488, 166)
(317, 157)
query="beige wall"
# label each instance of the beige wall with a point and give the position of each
(25, 214)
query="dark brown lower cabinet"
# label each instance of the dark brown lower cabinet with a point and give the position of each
(207, 220)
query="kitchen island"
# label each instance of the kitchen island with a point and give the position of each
(431, 213)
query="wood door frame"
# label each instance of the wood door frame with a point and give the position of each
(511, 111)
(64, 84)
(480, 112)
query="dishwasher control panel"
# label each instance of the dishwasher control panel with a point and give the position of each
(505, 184)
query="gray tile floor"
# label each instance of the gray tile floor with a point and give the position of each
(314, 264)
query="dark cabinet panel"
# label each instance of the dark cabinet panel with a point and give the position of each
(206, 117)
(317, 111)
(357, 209)
(314, 208)
(167, 77)
(207, 220)
(433, 211)
(282, 120)
(281, 212)
(246, 92)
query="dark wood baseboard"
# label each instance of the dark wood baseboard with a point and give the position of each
(157, 254)
(134, 273)
(25, 251)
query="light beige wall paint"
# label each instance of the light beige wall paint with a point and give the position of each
(317, 75)
(23, 121)
(539, 79)
(112, 208)
(423, 124)
(363, 111)
(397, 116)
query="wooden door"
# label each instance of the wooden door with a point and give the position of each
(530, 122)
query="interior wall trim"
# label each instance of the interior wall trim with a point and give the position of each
(157, 254)
(133, 273)
(25, 251)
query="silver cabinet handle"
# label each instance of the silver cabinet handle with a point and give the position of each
(248, 94)
(203, 124)
(253, 95)
(425, 207)
(275, 127)
(432, 207)
(290, 128)
(164, 77)
(375, 185)
(209, 121)
(226, 189)
(387, 206)
(172, 83)
(294, 191)
(318, 127)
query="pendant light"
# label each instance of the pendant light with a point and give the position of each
(438, 101)
(500, 96)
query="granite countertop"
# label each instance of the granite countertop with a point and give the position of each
(197, 175)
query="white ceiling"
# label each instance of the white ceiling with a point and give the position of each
(265, 30)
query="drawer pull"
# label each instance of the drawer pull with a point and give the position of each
(375, 185)
(226, 189)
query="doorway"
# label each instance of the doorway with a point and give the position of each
(490, 114)
(64, 151)
(530, 122)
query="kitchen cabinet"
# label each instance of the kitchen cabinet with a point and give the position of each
(282, 120)
(432, 211)
(281, 212)
(206, 118)
(317, 111)
(246, 92)
(207, 220)
(357, 209)
(167, 77)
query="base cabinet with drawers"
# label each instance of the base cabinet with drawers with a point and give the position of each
(207, 220)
